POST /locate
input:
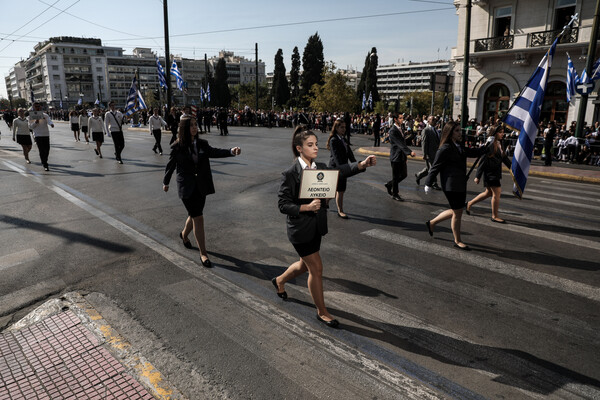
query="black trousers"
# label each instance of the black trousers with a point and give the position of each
(119, 142)
(174, 137)
(43, 144)
(425, 171)
(157, 136)
(548, 152)
(398, 174)
(377, 140)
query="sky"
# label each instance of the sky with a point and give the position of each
(401, 30)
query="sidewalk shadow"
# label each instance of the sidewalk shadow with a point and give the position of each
(69, 236)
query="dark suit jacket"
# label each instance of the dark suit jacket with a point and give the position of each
(398, 150)
(190, 175)
(302, 226)
(452, 167)
(430, 143)
(491, 165)
(340, 153)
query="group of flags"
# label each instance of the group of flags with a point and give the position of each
(367, 103)
(181, 84)
(583, 84)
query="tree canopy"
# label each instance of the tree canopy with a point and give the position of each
(312, 65)
(368, 79)
(295, 77)
(334, 94)
(280, 91)
(220, 95)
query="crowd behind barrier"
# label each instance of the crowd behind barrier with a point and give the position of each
(565, 146)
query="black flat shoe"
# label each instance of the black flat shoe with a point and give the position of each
(188, 244)
(418, 179)
(332, 324)
(498, 221)
(429, 228)
(466, 248)
(206, 263)
(389, 189)
(467, 208)
(283, 294)
(342, 216)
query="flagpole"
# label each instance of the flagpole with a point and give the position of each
(591, 55)
(167, 55)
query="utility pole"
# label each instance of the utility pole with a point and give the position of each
(464, 114)
(205, 75)
(99, 89)
(256, 71)
(591, 55)
(167, 55)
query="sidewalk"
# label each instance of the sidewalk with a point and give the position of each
(61, 351)
(576, 173)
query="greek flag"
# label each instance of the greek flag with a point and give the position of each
(201, 94)
(523, 116)
(596, 69)
(572, 79)
(135, 101)
(80, 101)
(162, 80)
(97, 102)
(61, 105)
(177, 74)
(370, 101)
(364, 101)
(208, 91)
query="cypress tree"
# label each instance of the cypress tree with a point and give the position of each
(280, 90)
(368, 79)
(222, 96)
(295, 77)
(313, 62)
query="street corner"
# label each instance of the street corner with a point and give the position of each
(66, 348)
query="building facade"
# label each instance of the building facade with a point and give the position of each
(240, 69)
(508, 40)
(396, 80)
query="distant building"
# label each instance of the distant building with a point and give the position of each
(508, 40)
(240, 69)
(15, 81)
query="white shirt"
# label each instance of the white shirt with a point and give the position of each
(111, 123)
(20, 127)
(156, 122)
(74, 119)
(83, 120)
(304, 165)
(95, 124)
(571, 141)
(41, 129)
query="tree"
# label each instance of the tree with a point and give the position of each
(220, 95)
(295, 77)
(281, 90)
(312, 66)
(368, 79)
(422, 103)
(334, 94)
(245, 94)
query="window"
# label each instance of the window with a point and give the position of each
(502, 18)
(98, 69)
(56, 77)
(496, 101)
(555, 106)
(55, 68)
(563, 12)
(53, 58)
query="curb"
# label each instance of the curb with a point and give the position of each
(135, 364)
(565, 177)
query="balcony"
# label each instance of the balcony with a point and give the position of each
(494, 43)
(546, 38)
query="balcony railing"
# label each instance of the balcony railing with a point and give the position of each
(494, 43)
(546, 38)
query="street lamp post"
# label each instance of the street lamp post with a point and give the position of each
(99, 89)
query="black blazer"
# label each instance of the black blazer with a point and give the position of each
(491, 165)
(399, 150)
(191, 176)
(302, 226)
(340, 153)
(452, 166)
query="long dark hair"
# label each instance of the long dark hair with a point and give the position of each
(497, 147)
(301, 133)
(447, 131)
(184, 136)
(333, 132)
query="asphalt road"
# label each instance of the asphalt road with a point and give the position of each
(517, 317)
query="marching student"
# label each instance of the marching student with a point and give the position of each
(113, 125)
(451, 163)
(341, 154)
(398, 156)
(96, 127)
(156, 123)
(190, 157)
(307, 219)
(83, 124)
(20, 129)
(41, 134)
(74, 119)
(491, 169)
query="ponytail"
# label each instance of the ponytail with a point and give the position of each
(301, 133)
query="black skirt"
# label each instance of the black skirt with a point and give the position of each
(74, 127)
(492, 183)
(195, 204)
(98, 136)
(308, 248)
(84, 129)
(24, 140)
(456, 199)
(341, 185)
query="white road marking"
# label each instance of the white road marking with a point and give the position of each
(514, 271)
(568, 196)
(17, 258)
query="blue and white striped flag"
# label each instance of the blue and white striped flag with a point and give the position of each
(162, 80)
(135, 101)
(201, 94)
(80, 101)
(208, 91)
(524, 116)
(364, 101)
(370, 101)
(97, 102)
(177, 74)
(572, 79)
(61, 105)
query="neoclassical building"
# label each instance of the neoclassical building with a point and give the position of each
(508, 40)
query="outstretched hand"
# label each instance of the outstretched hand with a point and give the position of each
(370, 161)
(236, 151)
